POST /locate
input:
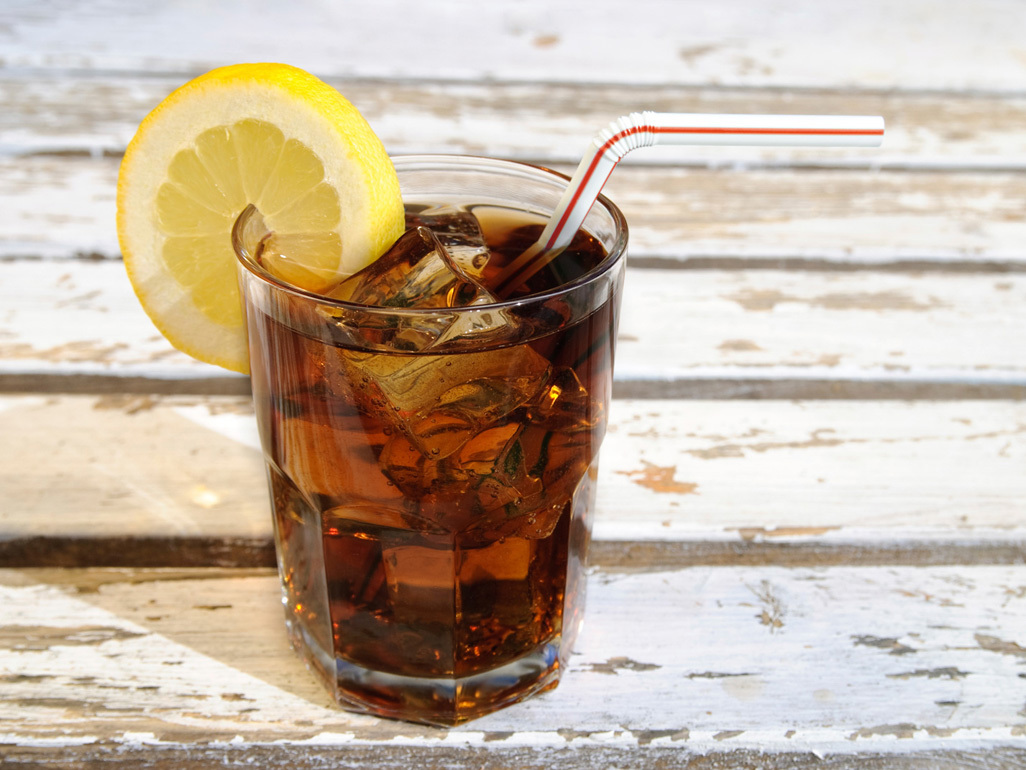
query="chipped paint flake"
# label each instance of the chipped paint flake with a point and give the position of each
(902, 731)
(660, 479)
(948, 672)
(725, 735)
(739, 346)
(618, 664)
(893, 646)
(773, 612)
(891, 300)
(994, 644)
(749, 534)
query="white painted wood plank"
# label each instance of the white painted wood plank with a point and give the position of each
(541, 122)
(65, 207)
(833, 215)
(58, 207)
(917, 44)
(81, 318)
(833, 473)
(106, 467)
(814, 471)
(703, 660)
(838, 326)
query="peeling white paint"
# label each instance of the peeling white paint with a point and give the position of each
(957, 329)
(836, 634)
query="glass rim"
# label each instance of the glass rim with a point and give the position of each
(427, 161)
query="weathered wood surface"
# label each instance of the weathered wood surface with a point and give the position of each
(171, 480)
(858, 44)
(63, 207)
(82, 113)
(752, 332)
(804, 581)
(822, 663)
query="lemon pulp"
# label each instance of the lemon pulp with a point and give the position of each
(210, 183)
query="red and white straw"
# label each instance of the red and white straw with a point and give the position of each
(645, 129)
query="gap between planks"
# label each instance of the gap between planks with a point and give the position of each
(174, 552)
(683, 388)
(144, 754)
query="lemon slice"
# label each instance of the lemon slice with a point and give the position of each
(267, 134)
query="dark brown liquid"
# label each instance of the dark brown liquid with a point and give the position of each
(432, 510)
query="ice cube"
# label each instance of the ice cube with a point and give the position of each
(437, 400)
(320, 453)
(441, 401)
(508, 559)
(498, 526)
(559, 459)
(459, 231)
(306, 260)
(421, 583)
(496, 456)
(565, 404)
(413, 472)
(417, 271)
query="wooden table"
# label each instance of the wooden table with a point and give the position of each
(810, 544)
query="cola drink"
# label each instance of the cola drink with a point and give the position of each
(432, 455)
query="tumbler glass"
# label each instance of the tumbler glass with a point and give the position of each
(432, 469)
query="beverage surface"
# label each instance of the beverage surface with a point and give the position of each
(449, 256)
(445, 495)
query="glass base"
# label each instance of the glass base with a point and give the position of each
(441, 701)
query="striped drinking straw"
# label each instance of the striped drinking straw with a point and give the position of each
(644, 129)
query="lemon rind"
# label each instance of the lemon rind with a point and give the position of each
(302, 107)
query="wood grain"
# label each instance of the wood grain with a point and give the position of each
(810, 544)
(138, 480)
(914, 45)
(61, 207)
(85, 113)
(720, 333)
(835, 662)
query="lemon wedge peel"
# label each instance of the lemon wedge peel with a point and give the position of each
(199, 158)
